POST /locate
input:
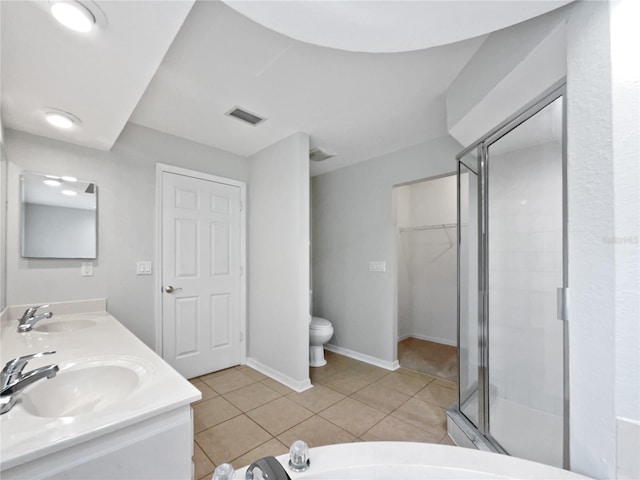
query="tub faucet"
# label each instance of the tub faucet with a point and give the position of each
(29, 318)
(13, 381)
(270, 467)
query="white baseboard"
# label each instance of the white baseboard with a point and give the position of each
(363, 357)
(404, 337)
(443, 341)
(293, 384)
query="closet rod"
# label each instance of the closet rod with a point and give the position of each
(429, 227)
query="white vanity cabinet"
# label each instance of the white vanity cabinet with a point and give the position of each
(115, 410)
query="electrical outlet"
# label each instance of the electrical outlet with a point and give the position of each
(143, 268)
(377, 266)
(86, 270)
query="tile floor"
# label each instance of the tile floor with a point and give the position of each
(244, 415)
(428, 357)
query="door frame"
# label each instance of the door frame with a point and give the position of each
(166, 168)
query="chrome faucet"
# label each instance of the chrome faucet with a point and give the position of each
(13, 381)
(270, 467)
(29, 318)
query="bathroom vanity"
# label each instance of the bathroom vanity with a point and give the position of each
(115, 409)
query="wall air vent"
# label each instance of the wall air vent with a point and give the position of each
(317, 154)
(245, 116)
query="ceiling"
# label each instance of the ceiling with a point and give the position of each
(389, 25)
(177, 67)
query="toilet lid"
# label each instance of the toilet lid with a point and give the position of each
(317, 322)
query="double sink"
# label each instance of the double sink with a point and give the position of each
(107, 379)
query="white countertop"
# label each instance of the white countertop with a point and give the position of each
(82, 333)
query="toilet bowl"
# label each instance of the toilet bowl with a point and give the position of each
(320, 332)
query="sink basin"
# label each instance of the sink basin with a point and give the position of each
(59, 326)
(83, 388)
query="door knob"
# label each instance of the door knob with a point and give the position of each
(171, 289)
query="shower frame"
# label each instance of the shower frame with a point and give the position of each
(480, 434)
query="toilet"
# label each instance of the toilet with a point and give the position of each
(320, 332)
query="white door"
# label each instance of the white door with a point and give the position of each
(200, 274)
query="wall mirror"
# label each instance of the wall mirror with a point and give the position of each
(58, 217)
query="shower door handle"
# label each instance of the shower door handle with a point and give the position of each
(563, 303)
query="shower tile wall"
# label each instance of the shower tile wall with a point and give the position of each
(525, 268)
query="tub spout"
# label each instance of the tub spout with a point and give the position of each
(270, 468)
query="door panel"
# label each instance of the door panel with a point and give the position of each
(201, 261)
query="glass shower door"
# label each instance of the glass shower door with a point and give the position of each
(524, 261)
(468, 250)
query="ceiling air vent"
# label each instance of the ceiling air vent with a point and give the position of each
(245, 116)
(317, 154)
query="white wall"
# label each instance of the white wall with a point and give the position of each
(125, 178)
(625, 37)
(428, 259)
(591, 260)
(278, 261)
(3, 221)
(353, 224)
(511, 68)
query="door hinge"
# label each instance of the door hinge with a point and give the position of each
(241, 270)
(563, 303)
(241, 206)
(241, 336)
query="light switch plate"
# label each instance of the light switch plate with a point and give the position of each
(143, 268)
(86, 270)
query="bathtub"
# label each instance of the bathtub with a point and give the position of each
(407, 460)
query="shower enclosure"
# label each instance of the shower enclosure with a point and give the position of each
(512, 271)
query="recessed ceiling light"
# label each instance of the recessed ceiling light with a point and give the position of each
(52, 183)
(69, 179)
(73, 15)
(71, 193)
(61, 119)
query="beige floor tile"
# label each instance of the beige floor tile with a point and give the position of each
(317, 374)
(212, 412)
(277, 386)
(280, 415)
(353, 416)
(317, 398)
(206, 390)
(407, 384)
(380, 398)
(230, 381)
(217, 373)
(424, 415)
(446, 383)
(392, 429)
(252, 396)
(272, 448)
(437, 394)
(256, 375)
(415, 373)
(231, 439)
(347, 383)
(203, 466)
(446, 440)
(316, 431)
(370, 372)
